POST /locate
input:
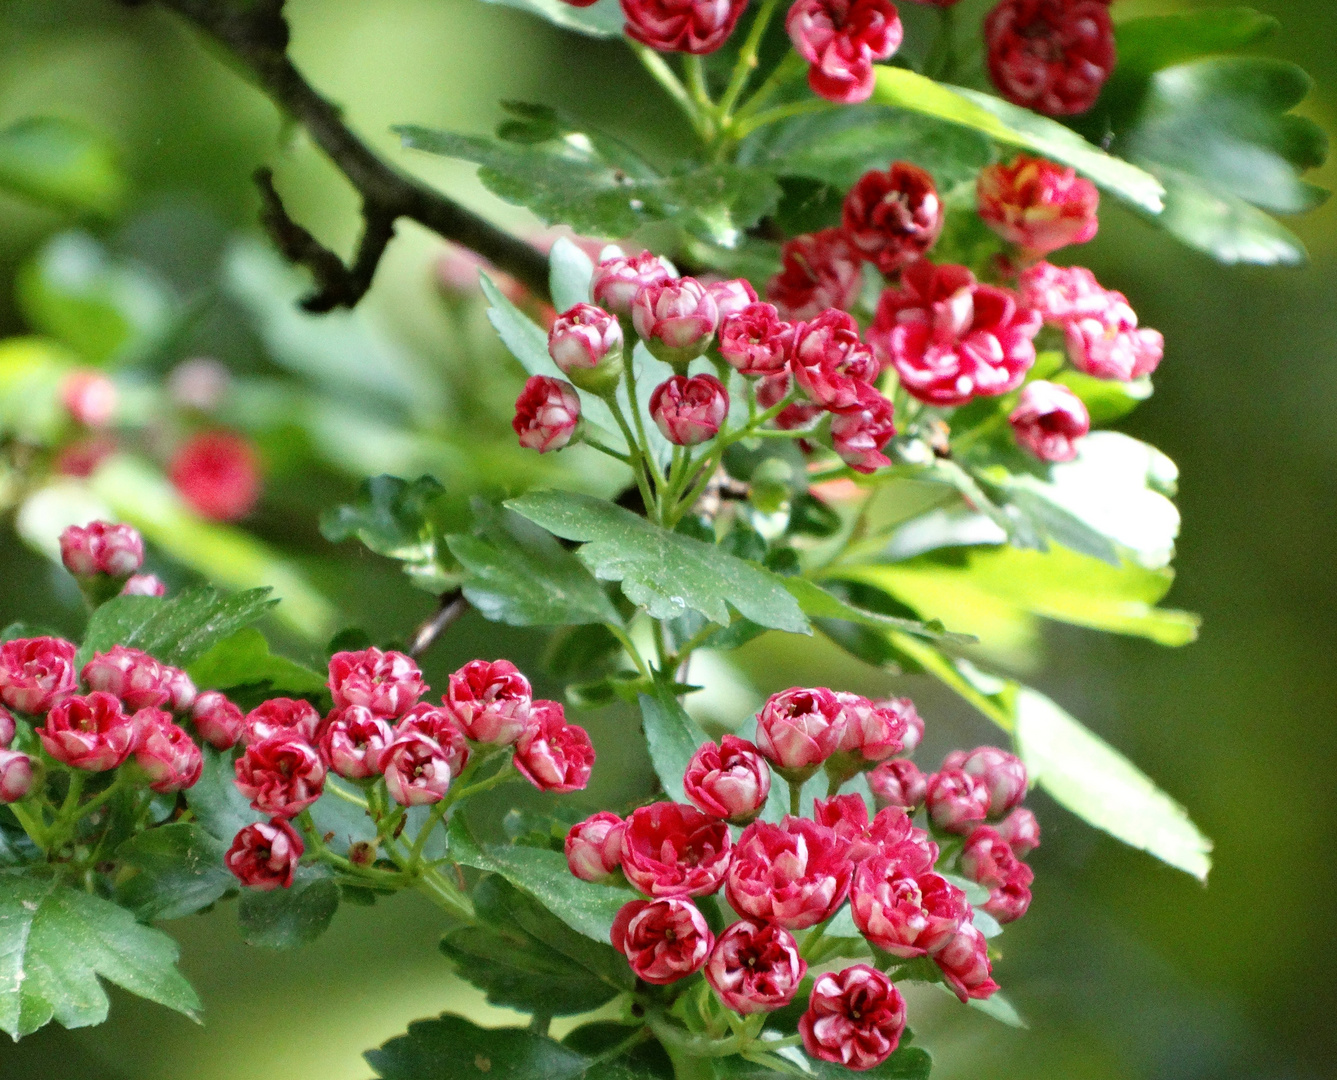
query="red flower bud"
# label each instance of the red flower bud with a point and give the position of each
(840, 39)
(904, 914)
(1052, 56)
(689, 411)
(676, 319)
(964, 962)
(101, 548)
(36, 673)
(755, 967)
(898, 783)
(817, 271)
(989, 860)
(730, 781)
(386, 683)
(218, 475)
(131, 675)
(1037, 205)
(1048, 421)
(181, 690)
(16, 776)
(439, 724)
(552, 754)
(1110, 345)
(1061, 293)
(755, 340)
(829, 361)
(490, 700)
(217, 720)
(352, 742)
(7, 728)
(951, 339)
(281, 775)
(847, 817)
(914, 723)
(663, 940)
(796, 873)
(144, 585)
(265, 855)
(90, 733)
(586, 343)
(956, 800)
(89, 397)
(1021, 830)
(594, 847)
(616, 281)
(1004, 775)
(289, 717)
(669, 849)
(690, 26)
(166, 755)
(417, 769)
(547, 413)
(898, 839)
(799, 729)
(893, 218)
(732, 296)
(855, 1018)
(859, 433)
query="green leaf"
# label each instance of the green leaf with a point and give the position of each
(1102, 787)
(666, 573)
(179, 870)
(671, 736)
(218, 806)
(176, 630)
(244, 659)
(287, 918)
(570, 269)
(61, 164)
(402, 520)
(817, 603)
(451, 1047)
(1014, 126)
(1106, 400)
(518, 574)
(600, 20)
(55, 941)
(907, 1063)
(545, 876)
(1153, 42)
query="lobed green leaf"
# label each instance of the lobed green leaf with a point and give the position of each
(178, 870)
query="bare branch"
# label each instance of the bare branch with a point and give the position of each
(453, 605)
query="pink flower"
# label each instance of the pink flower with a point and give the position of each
(689, 411)
(893, 218)
(1052, 56)
(165, 753)
(755, 967)
(1048, 421)
(951, 339)
(897, 839)
(988, 859)
(817, 271)
(586, 343)
(387, 683)
(676, 319)
(36, 673)
(964, 962)
(690, 26)
(281, 775)
(217, 720)
(440, 725)
(547, 413)
(663, 940)
(904, 914)
(1021, 830)
(796, 873)
(755, 340)
(1061, 293)
(669, 849)
(264, 856)
(1003, 774)
(7, 728)
(352, 742)
(840, 39)
(732, 296)
(101, 548)
(956, 800)
(144, 585)
(872, 732)
(855, 1018)
(847, 816)
(89, 397)
(858, 434)
(594, 847)
(290, 717)
(1110, 345)
(217, 473)
(799, 729)
(730, 781)
(552, 754)
(90, 733)
(617, 280)
(491, 701)
(1037, 205)
(914, 723)
(131, 675)
(16, 776)
(829, 361)
(898, 783)
(181, 690)
(416, 769)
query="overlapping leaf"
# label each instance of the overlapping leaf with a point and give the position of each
(62, 164)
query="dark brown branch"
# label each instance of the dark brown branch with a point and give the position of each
(453, 605)
(257, 35)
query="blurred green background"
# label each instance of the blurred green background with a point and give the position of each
(1124, 968)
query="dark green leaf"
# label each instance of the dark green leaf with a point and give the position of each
(518, 574)
(287, 918)
(1154, 42)
(55, 941)
(244, 659)
(666, 573)
(671, 736)
(176, 630)
(218, 806)
(61, 164)
(179, 870)
(451, 1048)
(820, 604)
(600, 20)
(907, 1063)
(343, 823)
(569, 273)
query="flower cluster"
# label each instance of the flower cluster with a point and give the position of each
(796, 873)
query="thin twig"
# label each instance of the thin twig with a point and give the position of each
(453, 605)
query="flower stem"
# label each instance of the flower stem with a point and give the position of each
(663, 74)
(747, 61)
(780, 112)
(795, 797)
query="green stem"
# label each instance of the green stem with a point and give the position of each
(795, 798)
(780, 112)
(624, 458)
(811, 939)
(338, 791)
(645, 448)
(32, 825)
(747, 61)
(637, 461)
(501, 777)
(940, 63)
(663, 74)
(696, 84)
(786, 70)
(632, 651)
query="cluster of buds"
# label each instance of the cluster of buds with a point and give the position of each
(381, 735)
(796, 874)
(1053, 56)
(104, 558)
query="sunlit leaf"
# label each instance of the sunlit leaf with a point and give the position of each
(61, 164)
